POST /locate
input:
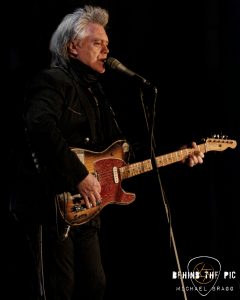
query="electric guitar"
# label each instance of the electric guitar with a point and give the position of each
(110, 169)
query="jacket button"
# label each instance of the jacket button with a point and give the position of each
(86, 140)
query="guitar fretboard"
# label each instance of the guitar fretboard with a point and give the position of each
(161, 161)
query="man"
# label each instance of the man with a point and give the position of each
(66, 108)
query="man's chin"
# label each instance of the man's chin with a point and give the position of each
(100, 70)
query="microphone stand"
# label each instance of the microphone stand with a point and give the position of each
(156, 170)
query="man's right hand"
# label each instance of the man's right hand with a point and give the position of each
(90, 190)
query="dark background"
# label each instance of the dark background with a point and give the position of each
(190, 50)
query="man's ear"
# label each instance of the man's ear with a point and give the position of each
(72, 48)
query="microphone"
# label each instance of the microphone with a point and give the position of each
(115, 64)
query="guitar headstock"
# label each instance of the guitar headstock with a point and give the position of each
(219, 144)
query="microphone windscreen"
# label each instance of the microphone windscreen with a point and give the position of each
(112, 63)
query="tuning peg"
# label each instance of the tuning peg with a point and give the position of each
(218, 136)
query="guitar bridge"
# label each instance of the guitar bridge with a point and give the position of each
(78, 203)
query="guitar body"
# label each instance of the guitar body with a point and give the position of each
(110, 169)
(105, 165)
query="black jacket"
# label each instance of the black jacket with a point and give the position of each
(65, 107)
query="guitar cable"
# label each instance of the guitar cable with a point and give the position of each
(42, 287)
(63, 234)
(37, 261)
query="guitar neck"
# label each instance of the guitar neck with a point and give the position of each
(161, 161)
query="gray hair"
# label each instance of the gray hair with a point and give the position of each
(73, 26)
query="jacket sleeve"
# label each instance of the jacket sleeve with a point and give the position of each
(45, 102)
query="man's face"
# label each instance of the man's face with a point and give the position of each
(92, 50)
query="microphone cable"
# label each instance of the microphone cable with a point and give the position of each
(155, 168)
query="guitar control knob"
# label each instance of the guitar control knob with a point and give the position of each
(77, 208)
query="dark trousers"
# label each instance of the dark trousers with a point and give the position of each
(72, 267)
(58, 268)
